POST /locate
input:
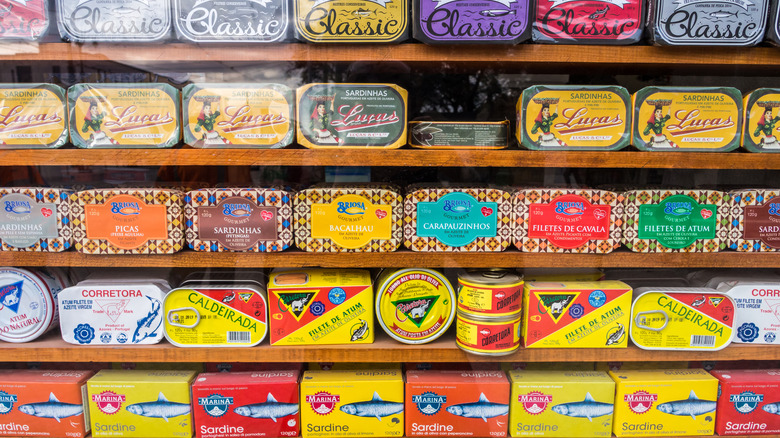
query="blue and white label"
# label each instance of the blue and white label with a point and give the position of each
(597, 298)
(215, 405)
(746, 402)
(317, 308)
(7, 402)
(769, 338)
(11, 295)
(84, 333)
(337, 295)
(457, 219)
(747, 332)
(105, 337)
(576, 311)
(429, 403)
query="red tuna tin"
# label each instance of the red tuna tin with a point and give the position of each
(246, 404)
(749, 402)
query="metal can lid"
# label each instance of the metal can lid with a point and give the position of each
(24, 292)
(490, 277)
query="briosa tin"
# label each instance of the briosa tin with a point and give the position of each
(471, 22)
(754, 224)
(35, 219)
(240, 21)
(707, 22)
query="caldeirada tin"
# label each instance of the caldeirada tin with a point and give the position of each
(490, 292)
(685, 318)
(707, 22)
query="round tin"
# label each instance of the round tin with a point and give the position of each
(488, 336)
(490, 292)
(216, 315)
(414, 306)
(27, 303)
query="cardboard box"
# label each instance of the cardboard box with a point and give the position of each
(748, 402)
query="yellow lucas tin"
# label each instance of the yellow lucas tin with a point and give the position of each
(488, 336)
(491, 292)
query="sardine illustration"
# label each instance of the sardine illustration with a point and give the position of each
(724, 14)
(617, 335)
(52, 409)
(149, 324)
(588, 408)
(360, 332)
(483, 409)
(229, 297)
(769, 408)
(270, 409)
(162, 408)
(692, 406)
(376, 407)
(122, 10)
(362, 12)
(599, 13)
(699, 301)
(496, 12)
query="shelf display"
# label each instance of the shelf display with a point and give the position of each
(121, 21)
(33, 115)
(35, 219)
(242, 21)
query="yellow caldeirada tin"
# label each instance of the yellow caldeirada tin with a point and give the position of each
(358, 21)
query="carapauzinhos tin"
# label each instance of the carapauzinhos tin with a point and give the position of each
(685, 318)
(490, 292)
(28, 303)
(489, 336)
(414, 306)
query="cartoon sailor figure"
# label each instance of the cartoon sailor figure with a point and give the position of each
(320, 127)
(93, 120)
(206, 121)
(656, 124)
(766, 126)
(544, 121)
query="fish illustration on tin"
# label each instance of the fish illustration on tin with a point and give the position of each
(124, 10)
(270, 409)
(617, 335)
(161, 408)
(699, 301)
(52, 408)
(769, 408)
(360, 12)
(376, 407)
(496, 12)
(724, 14)
(691, 406)
(229, 297)
(360, 332)
(483, 409)
(149, 324)
(600, 13)
(588, 408)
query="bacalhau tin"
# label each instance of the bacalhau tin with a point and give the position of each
(414, 306)
(488, 336)
(28, 300)
(490, 292)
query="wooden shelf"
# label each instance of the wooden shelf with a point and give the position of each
(540, 54)
(400, 158)
(53, 349)
(399, 259)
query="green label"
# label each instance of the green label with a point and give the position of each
(457, 219)
(677, 221)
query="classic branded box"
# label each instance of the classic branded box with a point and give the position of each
(125, 403)
(456, 403)
(748, 402)
(246, 404)
(45, 403)
(31, 115)
(366, 403)
(30, 21)
(453, 22)
(576, 314)
(35, 219)
(245, 21)
(119, 21)
(707, 23)
(321, 307)
(664, 402)
(561, 403)
(359, 21)
(585, 22)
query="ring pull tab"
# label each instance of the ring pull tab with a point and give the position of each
(639, 317)
(173, 317)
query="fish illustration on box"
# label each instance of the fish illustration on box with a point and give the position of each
(161, 408)
(691, 406)
(772, 408)
(270, 409)
(483, 409)
(376, 407)
(588, 408)
(52, 408)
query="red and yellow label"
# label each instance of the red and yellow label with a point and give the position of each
(351, 221)
(569, 221)
(125, 221)
(490, 299)
(32, 117)
(494, 337)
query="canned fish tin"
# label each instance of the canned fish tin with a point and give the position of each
(773, 26)
(143, 115)
(754, 223)
(237, 115)
(760, 119)
(115, 21)
(351, 115)
(757, 309)
(414, 306)
(685, 318)
(698, 119)
(207, 21)
(459, 135)
(24, 20)
(613, 22)
(35, 219)
(216, 316)
(566, 117)
(488, 336)
(358, 21)
(453, 22)
(32, 115)
(111, 314)
(492, 292)
(28, 302)
(707, 22)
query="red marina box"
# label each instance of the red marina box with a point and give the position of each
(246, 404)
(749, 402)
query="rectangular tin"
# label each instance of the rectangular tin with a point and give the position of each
(111, 314)
(613, 22)
(351, 115)
(116, 21)
(561, 403)
(239, 219)
(142, 115)
(321, 306)
(773, 24)
(359, 21)
(35, 219)
(246, 404)
(567, 220)
(707, 22)
(675, 220)
(698, 119)
(664, 402)
(349, 218)
(238, 115)
(129, 403)
(757, 309)
(456, 403)
(459, 135)
(754, 224)
(760, 117)
(454, 22)
(748, 402)
(456, 219)
(26, 20)
(240, 21)
(566, 117)
(128, 221)
(365, 403)
(576, 314)
(44, 403)
(32, 115)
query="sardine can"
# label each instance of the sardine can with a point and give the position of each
(748, 402)
(35, 219)
(32, 115)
